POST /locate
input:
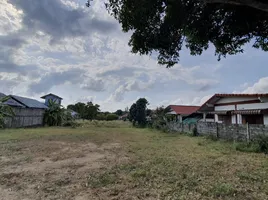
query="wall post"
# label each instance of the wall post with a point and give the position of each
(217, 130)
(248, 133)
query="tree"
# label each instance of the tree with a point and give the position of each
(91, 111)
(54, 115)
(149, 112)
(112, 117)
(79, 107)
(132, 113)
(137, 112)
(5, 111)
(86, 111)
(119, 112)
(164, 26)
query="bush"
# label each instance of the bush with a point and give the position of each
(2, 121)
(262, 141)
(72, 124)
(101, 117)
(195, 133)
(247, 147)
(258, 145)
(111, 117)
(160, 125)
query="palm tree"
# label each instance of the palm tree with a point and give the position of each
(54, 115)
(5, 111)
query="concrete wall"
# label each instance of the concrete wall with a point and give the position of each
(236, 132)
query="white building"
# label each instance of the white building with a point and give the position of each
(237, 108)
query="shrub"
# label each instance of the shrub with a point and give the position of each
(258, 145)
(111, 117)
(71, 123)
(2, 121)
(247, 147)
(195, 133)
(5, 111)
(101, 117)
(223, 189)
(160, 125)
(262, 141)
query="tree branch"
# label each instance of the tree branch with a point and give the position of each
(250, 3)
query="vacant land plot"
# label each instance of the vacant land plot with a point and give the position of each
(112, 161)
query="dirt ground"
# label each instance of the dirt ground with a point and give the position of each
(114, 161)
(53, 169)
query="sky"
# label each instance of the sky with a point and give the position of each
(81, 54)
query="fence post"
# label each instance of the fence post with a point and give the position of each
(217, 130)
(182, 128)
(248, 133)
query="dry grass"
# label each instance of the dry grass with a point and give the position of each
(115, 161)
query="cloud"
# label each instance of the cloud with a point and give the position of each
(93, 84)
(60, 19)
(133, 85)
(9, 81)
(80, 53)
(201, 100)
(72, 76)
(259, 87)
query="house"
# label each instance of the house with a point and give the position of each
(180, 112)
(237, 108)
(123, 117)
(28, 112)
(11, 102)
(74, 114)
(52, 97)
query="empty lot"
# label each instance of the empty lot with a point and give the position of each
(115, 161)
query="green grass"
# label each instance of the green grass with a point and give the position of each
(160, 165)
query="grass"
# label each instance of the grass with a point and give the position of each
(160, 165)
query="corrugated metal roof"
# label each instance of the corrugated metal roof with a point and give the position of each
(251, 112)
(30, 103)
(2, 95)
(50, 94)
(11, 102)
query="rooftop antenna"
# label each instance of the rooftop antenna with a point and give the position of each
(88, 3)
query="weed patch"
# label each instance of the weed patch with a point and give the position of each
(222, 190)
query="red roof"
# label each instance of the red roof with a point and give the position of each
(242, 95)
(184, 110)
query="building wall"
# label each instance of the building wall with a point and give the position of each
(239, 119)
(264, 99)
(252, 106)
(233, 119)
(235, 99)
(53, 98)
(230, 107)
(265, 119)
(25, 117)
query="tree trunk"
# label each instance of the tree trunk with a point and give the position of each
(250, 3)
